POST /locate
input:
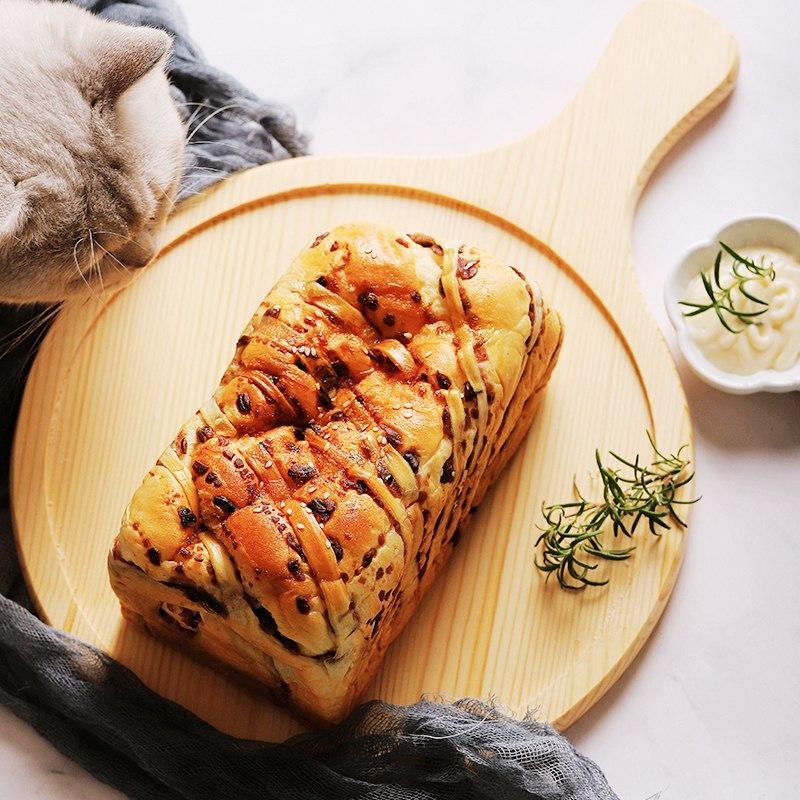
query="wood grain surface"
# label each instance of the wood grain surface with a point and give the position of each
(118, 374)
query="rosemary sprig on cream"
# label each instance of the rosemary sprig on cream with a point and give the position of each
(573, 540)
(722, 298)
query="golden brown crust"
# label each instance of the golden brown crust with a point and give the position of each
(297, 519)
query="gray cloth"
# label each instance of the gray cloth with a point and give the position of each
(98, 713)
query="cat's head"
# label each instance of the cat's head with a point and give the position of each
(91, 150)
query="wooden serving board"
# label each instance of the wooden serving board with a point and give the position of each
(115, 378)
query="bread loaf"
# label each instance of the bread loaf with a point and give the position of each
(297, 519)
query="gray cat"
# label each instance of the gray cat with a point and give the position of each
(91, 150)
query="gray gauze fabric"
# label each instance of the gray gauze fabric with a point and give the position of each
(98, 713)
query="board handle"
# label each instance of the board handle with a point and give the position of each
(667, 65)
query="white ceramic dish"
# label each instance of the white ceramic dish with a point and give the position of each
(745, 232)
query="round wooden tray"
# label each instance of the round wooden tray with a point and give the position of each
(116, 376)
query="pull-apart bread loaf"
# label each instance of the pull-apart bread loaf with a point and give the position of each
(297, 519)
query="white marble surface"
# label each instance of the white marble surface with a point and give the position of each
(709, 709)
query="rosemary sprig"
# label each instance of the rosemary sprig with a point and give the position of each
(573, 539)
(721, 297)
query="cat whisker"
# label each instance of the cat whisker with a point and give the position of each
(232, 145)
(192, 180)
(197, 173)
(78, 266)
(75, 251)
(198, 107)
(193, 116)
(202, 104)
(121, 268)
(27, 326)
(209, 170)
(99, 232)
(207, 119)
(170, 200)
(39, 333)
(95, 265)
(16, 337)
(124, 238)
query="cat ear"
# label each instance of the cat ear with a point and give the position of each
(123, 54)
